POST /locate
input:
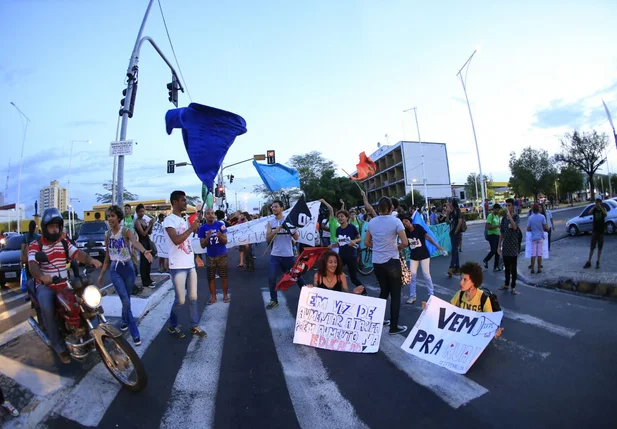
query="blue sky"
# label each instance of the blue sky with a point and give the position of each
(321, 75)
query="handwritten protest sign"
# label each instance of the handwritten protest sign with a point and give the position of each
(451, 337)
(545, 252)
(255, 231)
(339, 321)
(159, 237)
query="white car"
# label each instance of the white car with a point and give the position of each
(584, 221)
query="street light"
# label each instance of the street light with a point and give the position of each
(413, 203)
(21, 159)
(71, 160)
(473, 128)
(72, 216)
(421, 152)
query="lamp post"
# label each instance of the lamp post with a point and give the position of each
(71, 161)
(473, 128)
(21, 159)
(421, 152)
(413, 202)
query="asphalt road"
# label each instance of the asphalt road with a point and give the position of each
(551, 369)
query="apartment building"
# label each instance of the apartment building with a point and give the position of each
(54, 196)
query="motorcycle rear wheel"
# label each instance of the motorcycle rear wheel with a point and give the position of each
(122, 353)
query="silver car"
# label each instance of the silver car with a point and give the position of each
(584, 221)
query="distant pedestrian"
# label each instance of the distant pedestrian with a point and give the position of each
(510, 245)
(549, 221)
(599, 214)
(182, 265)
(143, 228)
(536, 225)
(7, 406)
(517, 204)
(163, 262)
(455, 217)
(434, 217)
(213, 236)
(493, 222)
(382, 235)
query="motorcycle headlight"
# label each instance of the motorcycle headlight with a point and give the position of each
(92, 296)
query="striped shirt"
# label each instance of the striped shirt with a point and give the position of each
(55, 255)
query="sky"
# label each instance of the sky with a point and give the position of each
(306, 76)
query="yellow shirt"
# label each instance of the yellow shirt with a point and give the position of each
(474, 304)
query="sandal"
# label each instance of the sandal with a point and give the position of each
(504, 287)
(226, 300)
(514, 292)
(211, 302)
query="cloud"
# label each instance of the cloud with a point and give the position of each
(12, 76)
(85, 123)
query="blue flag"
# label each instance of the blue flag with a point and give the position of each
(419, 220)
(277, 176)
(208, 134)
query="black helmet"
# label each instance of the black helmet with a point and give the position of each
(50, 216)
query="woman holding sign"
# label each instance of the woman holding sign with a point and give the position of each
(330, 274)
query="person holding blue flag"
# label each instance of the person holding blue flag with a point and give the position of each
(417, 237)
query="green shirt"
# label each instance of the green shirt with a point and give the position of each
(333, 222)
(494, 220)
(129, 223)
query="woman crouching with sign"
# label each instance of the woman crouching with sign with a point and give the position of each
(330, 274)
(471, 297)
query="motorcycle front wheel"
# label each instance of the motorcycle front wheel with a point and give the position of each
(126, 366)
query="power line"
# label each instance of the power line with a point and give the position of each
(174, 52)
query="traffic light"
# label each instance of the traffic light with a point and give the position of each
(271, 157)
(173, 87)
(132, 103)
(231, 178)
(171, 166)
(219, 191)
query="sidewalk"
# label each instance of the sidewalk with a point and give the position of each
(564, 268)
(524, 212)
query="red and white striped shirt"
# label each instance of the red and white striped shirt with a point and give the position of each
(56, 256)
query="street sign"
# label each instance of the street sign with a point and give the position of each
(171, 166)
(259, 157)
(121, 148)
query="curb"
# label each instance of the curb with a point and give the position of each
(579, 287)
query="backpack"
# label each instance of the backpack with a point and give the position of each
(486, 294)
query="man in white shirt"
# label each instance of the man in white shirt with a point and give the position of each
(182, 265)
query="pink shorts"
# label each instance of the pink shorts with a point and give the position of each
(536, 248)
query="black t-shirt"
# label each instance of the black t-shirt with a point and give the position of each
(417, 243)
(454, 218)
(598, 220)
(343, 237)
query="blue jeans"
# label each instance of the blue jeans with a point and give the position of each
(47, 300)
(185, 283)
(279, 264)
(123, 278)
(455, 239)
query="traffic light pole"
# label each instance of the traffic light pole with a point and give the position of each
(221, 177)
(126, 111)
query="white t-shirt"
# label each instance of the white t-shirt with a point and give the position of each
(180, 256)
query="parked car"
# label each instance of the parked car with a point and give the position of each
(584, 221)
(10, 259)
(93, 231)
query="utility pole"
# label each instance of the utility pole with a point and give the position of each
(21, 160)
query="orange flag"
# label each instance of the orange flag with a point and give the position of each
(366, 168)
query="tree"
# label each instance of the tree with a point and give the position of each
(570, 180)
(193, 200)
(65, 215)
(532, 172)
(584, 151)
(470, 186)
(287, 196)
(106, 197)
(311, 167)
(418, 199)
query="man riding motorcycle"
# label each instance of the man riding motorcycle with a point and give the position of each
(58, 251)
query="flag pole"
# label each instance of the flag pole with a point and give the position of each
(351, 178)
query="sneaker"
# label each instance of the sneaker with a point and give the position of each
(411, 300)
(399, 330)
(496, 269)
(137, 341)
(152, 285)
(271, 305)
(176, 332)
(485, 264)
(124, 327)
(587, 264)
(386, 322)
(198, 332)
(597, 264)
(65, 357)
(539, 271)
(9, 408)
(514, 292)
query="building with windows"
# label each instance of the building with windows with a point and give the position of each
(399, 169)
(54, 196)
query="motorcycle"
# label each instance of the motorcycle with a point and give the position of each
(85, 329)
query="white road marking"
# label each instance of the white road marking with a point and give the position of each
(455, 389)
(99, 385)
(316, 399)
(36, 380)
(193, 398)
(11, 299)
(506, 345)
(8, 314)
(14, 332)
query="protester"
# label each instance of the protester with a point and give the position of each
(324, 227)
(129, 223)
(29, 237)
(354, 220)
(330, 274)
(347, 240)
(599, 214)
(182, 265)
(143, 229)
(492, 233)
(549, 221)
(536, 225)
(394, 207)
(509, 246)
(163, 262)
(118, 244)
(7, 406)
(281, 256)
(213, 236)
(455, 217)
(381, 235)
(419, 255)
(434, 219)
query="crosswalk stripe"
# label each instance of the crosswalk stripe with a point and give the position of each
(316, 399)
(8, 314)
(38, 381)
(193, 398)
(11, 298)
(506, 345)
(99, 384)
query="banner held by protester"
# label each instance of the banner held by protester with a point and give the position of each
(159, 237)
(339, 321)
(450, 336)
